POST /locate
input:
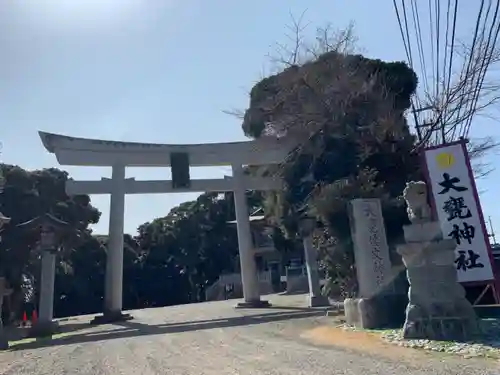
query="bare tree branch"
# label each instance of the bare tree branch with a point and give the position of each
(472, 92)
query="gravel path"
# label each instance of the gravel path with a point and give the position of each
(214, 339)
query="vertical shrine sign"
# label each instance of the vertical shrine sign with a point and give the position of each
(456, 203)
(371, 251)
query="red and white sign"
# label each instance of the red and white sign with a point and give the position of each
(456, 203)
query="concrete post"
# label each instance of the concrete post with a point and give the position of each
(48, 246)
(316, 299)
(46, 304)
(45, 326)
(249, 278)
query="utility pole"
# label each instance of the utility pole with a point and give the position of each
(492, 231)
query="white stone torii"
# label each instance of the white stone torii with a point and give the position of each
(119, 155)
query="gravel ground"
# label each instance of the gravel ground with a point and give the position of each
(213, 339)
(487, 344)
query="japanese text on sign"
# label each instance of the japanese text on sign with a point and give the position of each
(458, 211)
(373, 265)
(374, 240)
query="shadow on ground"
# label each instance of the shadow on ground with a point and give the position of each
(134, 329)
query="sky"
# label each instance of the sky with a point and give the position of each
(162, 71)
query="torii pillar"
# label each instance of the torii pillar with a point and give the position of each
(113, 283)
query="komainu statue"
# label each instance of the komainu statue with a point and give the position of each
(415, 195)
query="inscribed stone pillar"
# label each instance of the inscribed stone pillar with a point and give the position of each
(371, 251)
(379, 304)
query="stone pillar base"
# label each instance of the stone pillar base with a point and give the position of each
(111, 317)
(318, 301)
(437, 307)
(4, 343)
(256, 304)
(43, 329)
(445, 322)
(383, 311)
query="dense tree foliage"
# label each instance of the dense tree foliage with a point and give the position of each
(171, 260)
(347, 116)
(28, 195)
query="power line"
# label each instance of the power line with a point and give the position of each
(453, 104)
(438, 35)
(431, 24)
(450, 64)
(416, 21)
(484, 66)
(471, 55)
(406, 45)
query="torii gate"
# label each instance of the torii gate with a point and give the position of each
(119, 155)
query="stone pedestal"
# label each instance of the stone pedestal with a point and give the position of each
(318, 301)
(381, 311)
(437, 308)
(4, 343)
(4, 292)
(111, 317)
(44, 328)
(256, 304)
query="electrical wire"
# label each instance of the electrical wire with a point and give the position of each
(407, 31)
(431, 24)
(484, 67)
(445, 59)
(479, 59)
(447, 74)
(471, 54)
(406, 44)
(437, 5)
(420, 48)
(453, 104)
(452, 49)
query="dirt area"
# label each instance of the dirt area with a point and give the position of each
(370, 343)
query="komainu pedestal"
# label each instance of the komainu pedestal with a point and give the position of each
(437, 307)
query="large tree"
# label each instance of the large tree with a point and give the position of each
(26, 195)
(347, 116)
(189, 248)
